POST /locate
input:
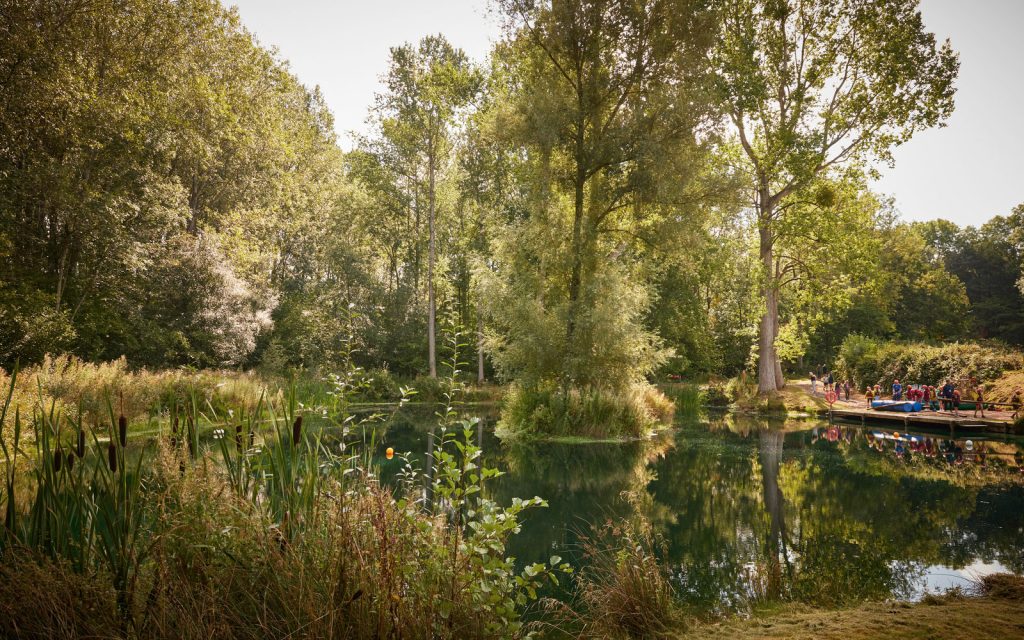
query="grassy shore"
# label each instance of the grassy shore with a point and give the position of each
(997, 614)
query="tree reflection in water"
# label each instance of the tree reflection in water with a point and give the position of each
(753, 511)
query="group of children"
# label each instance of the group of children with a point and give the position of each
(830, 384)
(945, 398)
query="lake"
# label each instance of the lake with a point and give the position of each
(749, 511)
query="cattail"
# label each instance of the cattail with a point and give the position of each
(297, 430)
(174, 424)
(56, 460)
(238, 438)
(71, 461)
(191, 437)
(122, 430)
(81, 444)
(112, 457)
(174, 442)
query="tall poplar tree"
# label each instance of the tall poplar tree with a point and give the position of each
(811, 87)
(428, 87)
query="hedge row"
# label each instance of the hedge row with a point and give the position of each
(868, 361)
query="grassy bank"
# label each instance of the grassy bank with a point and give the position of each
(72, 386)
(996, 614)
(278, 529)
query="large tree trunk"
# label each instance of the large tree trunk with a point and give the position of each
(576, 277)
(770, 457)
(431, 303)
(479, 347)
(769, 369)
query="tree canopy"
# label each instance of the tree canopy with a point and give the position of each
(623, 190)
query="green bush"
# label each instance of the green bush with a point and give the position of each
(589, 413)
(430, 389)
(715, 396)
(868, 361)
(381, 386)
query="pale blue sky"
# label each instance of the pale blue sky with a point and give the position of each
(967, 172)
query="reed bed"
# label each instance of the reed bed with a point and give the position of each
(278, 529)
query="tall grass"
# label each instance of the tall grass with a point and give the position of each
(277, 529)
(624, 592)
(590, 413)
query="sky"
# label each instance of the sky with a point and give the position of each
(967, 172)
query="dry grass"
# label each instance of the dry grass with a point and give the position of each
(996, 615)
(624, 592)
(1001, 389)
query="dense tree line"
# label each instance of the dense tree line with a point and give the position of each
(622, 190)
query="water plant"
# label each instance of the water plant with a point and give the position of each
(278, 526)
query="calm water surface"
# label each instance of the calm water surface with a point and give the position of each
(751, 511)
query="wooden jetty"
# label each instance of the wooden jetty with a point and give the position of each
(924, 419)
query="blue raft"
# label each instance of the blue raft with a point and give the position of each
(905, 406)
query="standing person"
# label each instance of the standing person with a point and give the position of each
(979, 402)
(897, 390)
(830, 384)
(1015, 403)
(846, 390)
(869, 393)
(814, 384)
(946, 394)
(956, 402)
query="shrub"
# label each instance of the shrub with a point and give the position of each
(715, 396)
(381, 386)
(589, 413)
(430, 389)
(741, 388)
(624, 591)
(866, 362)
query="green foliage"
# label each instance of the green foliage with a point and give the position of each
(988, 261)
(625, 591)
(588, 413)
(151, 159)
(812, 90)
(381, 386)
(868, 361)
(279, 521)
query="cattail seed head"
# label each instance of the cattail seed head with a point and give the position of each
(80, 451)
(122, 430)
(71, 461)
(238, 438)
(57, 457)
(112, 457)
(297, 430)
(174, 425)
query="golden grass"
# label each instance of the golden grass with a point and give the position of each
(997, 615)
(1001, 390)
